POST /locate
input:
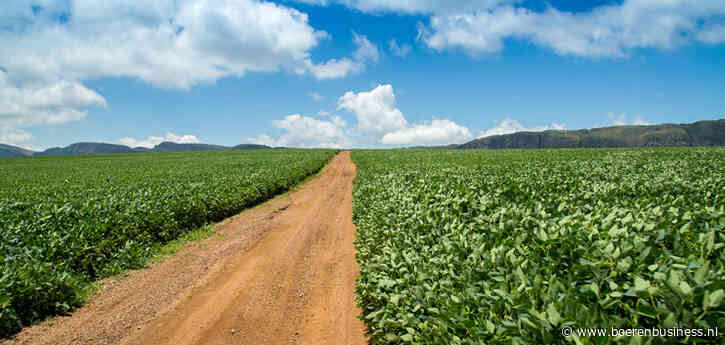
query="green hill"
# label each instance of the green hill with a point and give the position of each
(250, 147)
(701, 133)
(174, 147)
(9, 151)
(86, 148)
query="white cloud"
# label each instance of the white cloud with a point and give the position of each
(338, 121)
(304, 131)
(375, 110)
(412, 6)
(621, 120)
(316, 96)
(713, 34)
(335, 119)
(41, 104)
(436, 132)
(508, 126)
(399, 50)
(366, 50)
(14, 136)
(333, 68)
(166, 43)
(606, 31)
(263, 139)
(639, 121)
(308, 131)
(152, 141)
(617, 120)
(174, 44)
(314, 2)
(338, 68)
(379, 121)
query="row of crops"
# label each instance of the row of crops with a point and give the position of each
(65, 221)
(508, 247)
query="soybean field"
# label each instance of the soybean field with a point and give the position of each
(66, 221)
(511, 246)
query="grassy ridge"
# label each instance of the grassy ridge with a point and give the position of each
(508, 247)
(700, 133)
(65, 221)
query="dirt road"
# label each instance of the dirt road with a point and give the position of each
(281, 273)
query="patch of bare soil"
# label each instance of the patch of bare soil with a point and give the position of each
(280, 273)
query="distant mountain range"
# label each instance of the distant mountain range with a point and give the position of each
(103, 148)
(700, 133)
(13, 151)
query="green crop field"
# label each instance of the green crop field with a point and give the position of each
(65, 221)
(508, 247)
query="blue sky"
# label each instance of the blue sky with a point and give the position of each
(324, 73)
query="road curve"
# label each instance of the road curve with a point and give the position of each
(281, 273)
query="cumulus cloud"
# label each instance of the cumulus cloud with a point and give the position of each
(14, 136)
(412, 6)
(639, 121)
(378, 121)
(436, 132)
(56, 45)
(606, 31)
(713, 34)
(48, 103)
(316, 96)
(399, 50)
(622, 120)
(304, 131)
(365, 52)
(337, 121)
(375, 110)
(152, 141)
(617, 120)
(333, 68)
(314, 2)
(37, 104)
(174, 44)
(263, 139)
(508, 126)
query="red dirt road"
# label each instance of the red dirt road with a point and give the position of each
(281, 273)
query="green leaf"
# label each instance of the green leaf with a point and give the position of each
(628, 219)
(640, 285)
(714, 299)
(686, 289)
(670, 321)
(553, 314)
(490, 326)
(395, 299)
(700, 274)
(387, 283)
